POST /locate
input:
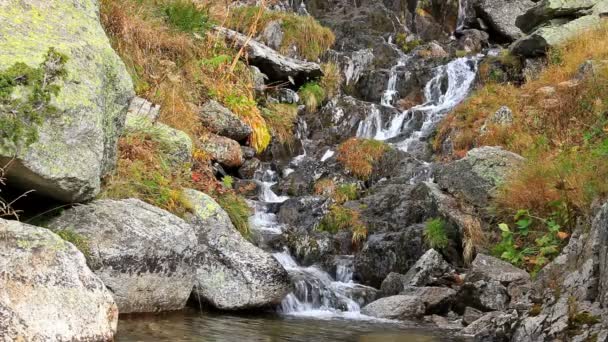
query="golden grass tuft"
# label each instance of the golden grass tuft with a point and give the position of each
(359, 156)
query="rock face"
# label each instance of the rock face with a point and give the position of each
(502, 16)
(143, 254)
(493, 326)
(274, 65)
(47, 290)
(396, 307)
(223, 150)
(231, 273)
(475, 177)
(488, 268)
(77, 145)
(221, 121)
(430, 267)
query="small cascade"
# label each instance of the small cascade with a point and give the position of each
(391, 92)
(450, 86)
(462, 14)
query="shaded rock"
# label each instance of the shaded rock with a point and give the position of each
(491, 327)
(482, 295)
(272, 35)
(221, 121)
(48, 292)
(286, 95)
(223, 150)
(174, 144)
(248, 152)
(488, 268)
(471, 315)
(472, 40)
(76, 146)
(392, 285)
(388, 252)
(501, 16)
(277, 67)
(427, 270)
(520, 293)
(143, 108)
(475, 177)
(396, 307)
(259, 80)
(250, 166)
(546, 10)
(143, 254)
(231, 273)
(437, 300)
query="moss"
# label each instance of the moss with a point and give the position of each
(79, 241)
(25, 100)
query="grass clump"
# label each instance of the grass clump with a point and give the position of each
(237, 209)
(407, 45)
(359, 156)
(342, 218)
(435, 233)
(309, 38)
(187, 16)
(331, 80)
(76, 239)
(312, 95)
(339, 193)
(281, 119)
(20, 116)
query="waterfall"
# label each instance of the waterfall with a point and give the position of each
(449, 86)
(462, 14)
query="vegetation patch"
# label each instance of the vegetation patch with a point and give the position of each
(312, 95)
(76, 239)
(341, 193)
(359, 156)
(309, 38)
(435, 233)
(21, 114)
(238, 210)
(281, 119)
(187, 16)
(342, 218)
(331, 80)
(405, 44)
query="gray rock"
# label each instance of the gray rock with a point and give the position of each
(472, 40)
(223, 150)
(546, 10)
(248, 152)
(221, 121)
(392, 285)
(272, 35)
(396, 307)
(259, 80)
(77, 146)
(275, 66)
(475, 177)
(143, 254)
(437, 300)
(175, 145)
(488, 268)
(483, 295)
(48, 293)
(285, 95)
(471, 315)
(502, 117)
(502, 16)
(144, 108)
(231, 273)
(250, 166)
(427, 270)
(491, 327)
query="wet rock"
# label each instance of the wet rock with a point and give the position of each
(437, 300)
(250, 166)
(471, 315)
(221, 121)
(277, 67)
(225, 151)
(475, 177)
(489, 268)
(501, 16)
(491, 327)
(76, 147)
(231, 273)
(396, 307)
(427, 270)
(143, 254)
(175, 145)
(472, 40)
(46, 284)
(388, 252)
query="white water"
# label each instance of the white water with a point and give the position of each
(391, 92)
(327, 155)
(458, 76)
(462, 13)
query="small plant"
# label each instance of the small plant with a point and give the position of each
(21, 116)
(228, 182)
(237, 208)
(312, 95)
(324, 187)
(405, 44)
(76, 239)
(345, 193)
(435, 234)
(187, 16)
(332, 79)
(359, 156)
(281, 119)
(342, 218)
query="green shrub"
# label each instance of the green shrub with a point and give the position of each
(187, 17)
(21, 116)
(312, 95)
(435, 233)
(342, 218)
(407, 45)
(237, 208)
(345, 193)
(228, 182)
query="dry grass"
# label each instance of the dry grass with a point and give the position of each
(332, 79)
(359, 156)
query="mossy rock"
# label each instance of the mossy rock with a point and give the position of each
(76, 146)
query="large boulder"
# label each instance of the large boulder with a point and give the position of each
(223, 150)
(231, 273)
(436, 300)
(489, 268)
(276, 66)
(143, 254)
(493, 326)
(475, 177)
(76, 145)
(427, 270)
(47, 292)
(501, 16)
(221, 121)
(396, 307)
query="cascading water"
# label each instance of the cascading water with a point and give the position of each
(462, 14)
(450, 86)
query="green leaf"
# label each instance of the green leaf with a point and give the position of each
(504, 227)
